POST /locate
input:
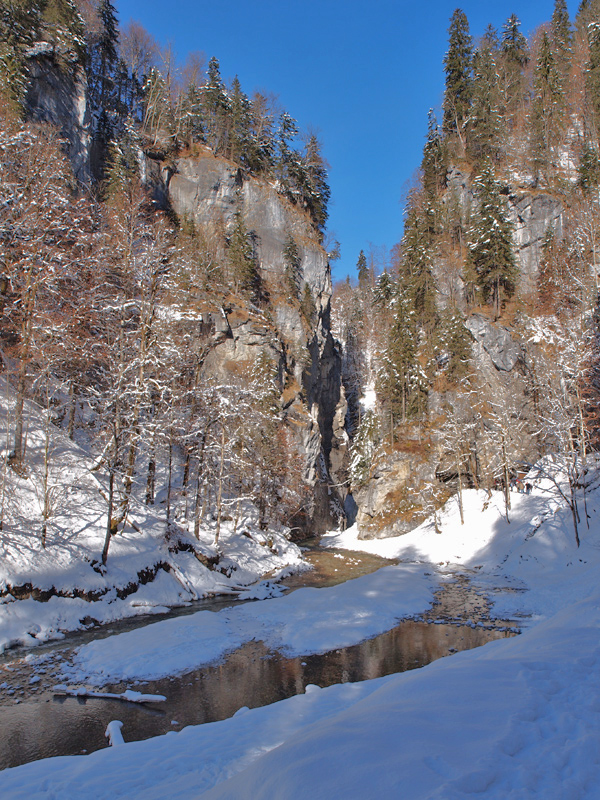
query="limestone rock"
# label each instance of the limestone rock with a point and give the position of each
(58, 95)
(496, 341)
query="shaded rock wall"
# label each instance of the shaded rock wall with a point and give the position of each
(58, 95)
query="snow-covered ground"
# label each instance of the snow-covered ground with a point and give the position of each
(518, 718)
(148, 570)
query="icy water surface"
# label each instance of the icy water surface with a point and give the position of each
(36, 724)
(251, 676)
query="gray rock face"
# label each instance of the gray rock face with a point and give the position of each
(58, 95)
(210, 191)
(496, 340)
(532, 215)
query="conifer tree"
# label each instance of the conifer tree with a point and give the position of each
(514, 58)
(286, 158)
(491, 248)
(485, 129)
(293, 267)
(514, 44)
(362, 270)
(457, 341)
(548, 111)
(589, 168)
(592, 82)
(242, 259)
(560, 35)
(433, 164)
(192, 114)
(315, 187)
(216, 108)
(402, 384)
(417, 266)
(240, 129)
(458, 65)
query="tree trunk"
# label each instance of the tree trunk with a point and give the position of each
(109, 521)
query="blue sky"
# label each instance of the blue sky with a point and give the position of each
(362, 73)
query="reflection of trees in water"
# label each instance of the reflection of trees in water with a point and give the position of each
(248, 677)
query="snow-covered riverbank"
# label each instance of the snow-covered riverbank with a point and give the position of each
(516, 718)
(58, 585)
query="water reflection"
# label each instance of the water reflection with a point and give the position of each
(251, 676)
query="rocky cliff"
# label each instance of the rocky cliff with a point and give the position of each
(58, 95)
(211, 191)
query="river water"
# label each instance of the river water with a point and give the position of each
(34, 723)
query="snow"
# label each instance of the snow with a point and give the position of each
(518, 718)
(152, 567)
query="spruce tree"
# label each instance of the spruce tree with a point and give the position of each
(242, 259)
(458, 65)
(560, 34)
(240, 129)
(402, 384)
(592, 80)
(458, 346)
(491, 246)
(417, 266)
(433, 164)
(286, 161)
(514, 58)
(589, 168)
(216, 108)
(293, 267)
(548, 111)
(485, 128)
(362, 271)
(316, 189)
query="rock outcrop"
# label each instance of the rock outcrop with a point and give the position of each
(58, 95)
(211, 191)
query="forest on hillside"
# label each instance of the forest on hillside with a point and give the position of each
(520, 119)
(105, 292)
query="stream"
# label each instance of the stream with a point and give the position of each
(34, 723)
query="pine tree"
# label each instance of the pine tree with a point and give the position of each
(192, 115)
(315, 187)
(514, 44)
(240, 131)
(547, 113)
(491, 247)
(286, 158)
(107, 52)
(459, 85)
